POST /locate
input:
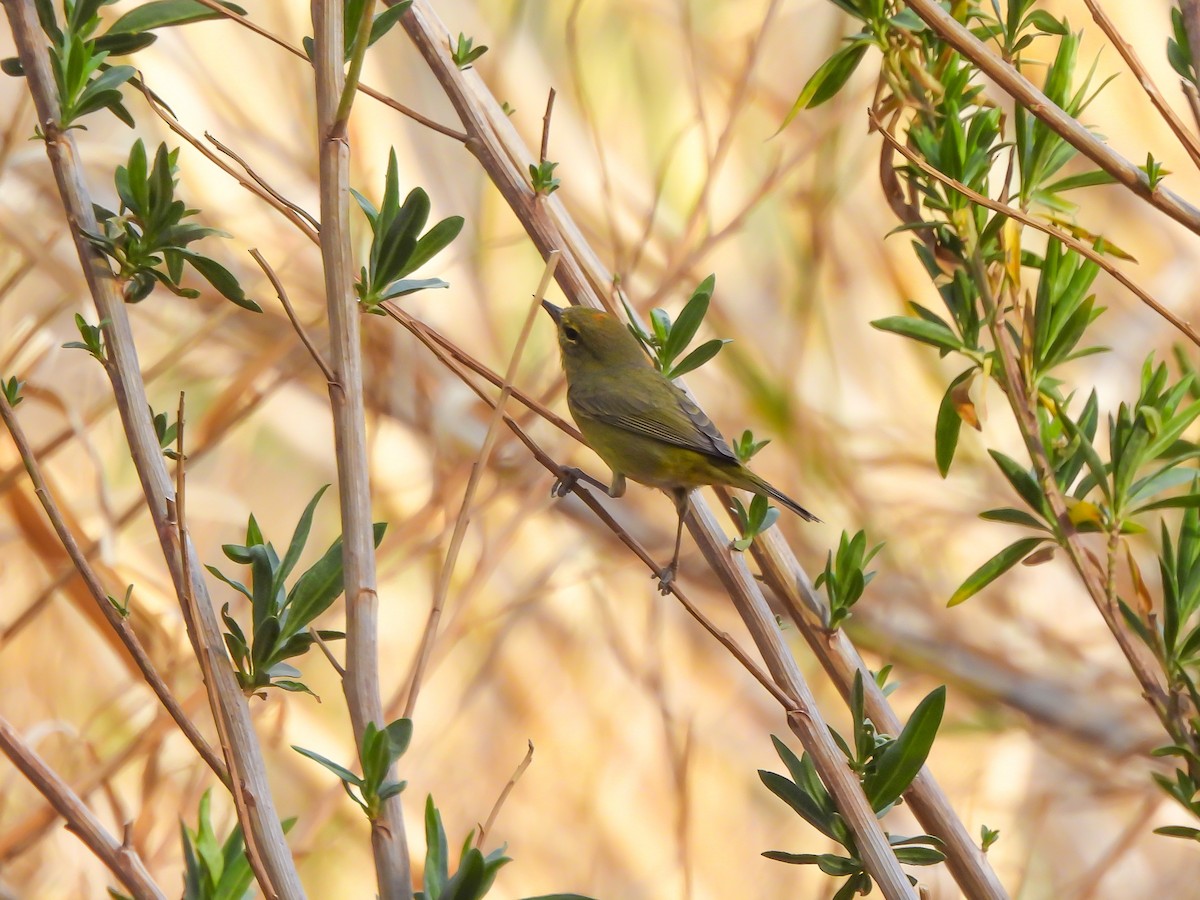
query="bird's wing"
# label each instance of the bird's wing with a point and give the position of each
(681, 424)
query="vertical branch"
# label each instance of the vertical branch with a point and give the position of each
(129, 393)
(120, 859)
(361, 682)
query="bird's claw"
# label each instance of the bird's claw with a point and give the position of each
(666, 578)
(568, 477)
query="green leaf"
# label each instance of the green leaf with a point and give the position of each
(299, 539)
(1179, 831)
(165, 13)
(994, 568)
(315, 590)
(434, 241)
(698, 357)
(686, 325)
(949, 426)
(1013, 517)
(828, 79)
(221, 279)
(384, 22)
(901, 760)
(341, 772)
(795, 797)
(926, 332)
(828, 863)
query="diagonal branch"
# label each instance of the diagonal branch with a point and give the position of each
(127, 635)
(129, 392)
(1025, 219)
(1067, 127)
(120, 859)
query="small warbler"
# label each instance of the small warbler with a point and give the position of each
(641, 423)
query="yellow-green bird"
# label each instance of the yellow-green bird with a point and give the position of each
(641, 423)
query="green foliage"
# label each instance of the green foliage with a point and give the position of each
(1109, 480)
(280, 618)
(987, 837)
(12, 390)
(166, 431)
(352, 12)
(397, 245)
(845, 576)
(215, 870)
(464, 52)
(148, 237)
(666, 341)
(92, 339)
(542, 178)
(78, 52)
(121, 606)
(885, 767)
(746, 447)
(753, 521)
(381, 748)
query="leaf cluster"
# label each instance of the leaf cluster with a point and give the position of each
(215, 870)
(464, 52)
(753, 521)
(148, 236)
(475, 873)
(666, 341)
(352, 15)
(78, 52)
(397, 245)
(845, 576)
(380, 749)
(280, 618)
(885, 766)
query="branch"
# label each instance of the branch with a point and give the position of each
(120, 859)
(361, 682)
(1185, 137)
(464, 513)
(130, 395)
(1024, 218)
(1067, 127)
(118, 624)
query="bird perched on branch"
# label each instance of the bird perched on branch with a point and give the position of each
(641, 423)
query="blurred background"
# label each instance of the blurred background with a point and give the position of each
(648, 734)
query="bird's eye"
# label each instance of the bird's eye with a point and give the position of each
(570, 334)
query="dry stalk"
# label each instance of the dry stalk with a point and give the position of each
(129, 392)
(120, 625)
(121, 859)
(361, 682)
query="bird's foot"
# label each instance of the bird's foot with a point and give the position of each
(666, 578)
(568, 477)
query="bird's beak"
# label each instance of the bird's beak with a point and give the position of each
(555, 312)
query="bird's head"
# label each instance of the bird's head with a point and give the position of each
(591, 339)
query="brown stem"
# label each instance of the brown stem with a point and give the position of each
(129, 392)
(120, 859)
(120, 625)
(361, 682)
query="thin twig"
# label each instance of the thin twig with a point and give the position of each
(290, 211)
(477, 470)
(512, 781)
(121, 626)
(320, 642)
(546, 124)
(122, 860)
(209, 659)
(1070, 240)
(281, 293)
(1185, 137)
(389, 844)
(261, 182)
(1065, 126)
(369, 91)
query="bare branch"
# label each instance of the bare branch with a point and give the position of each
(121, 860)
(361, 682)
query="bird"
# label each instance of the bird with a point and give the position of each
(641, 424)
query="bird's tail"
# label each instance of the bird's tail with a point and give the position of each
(758, 486)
